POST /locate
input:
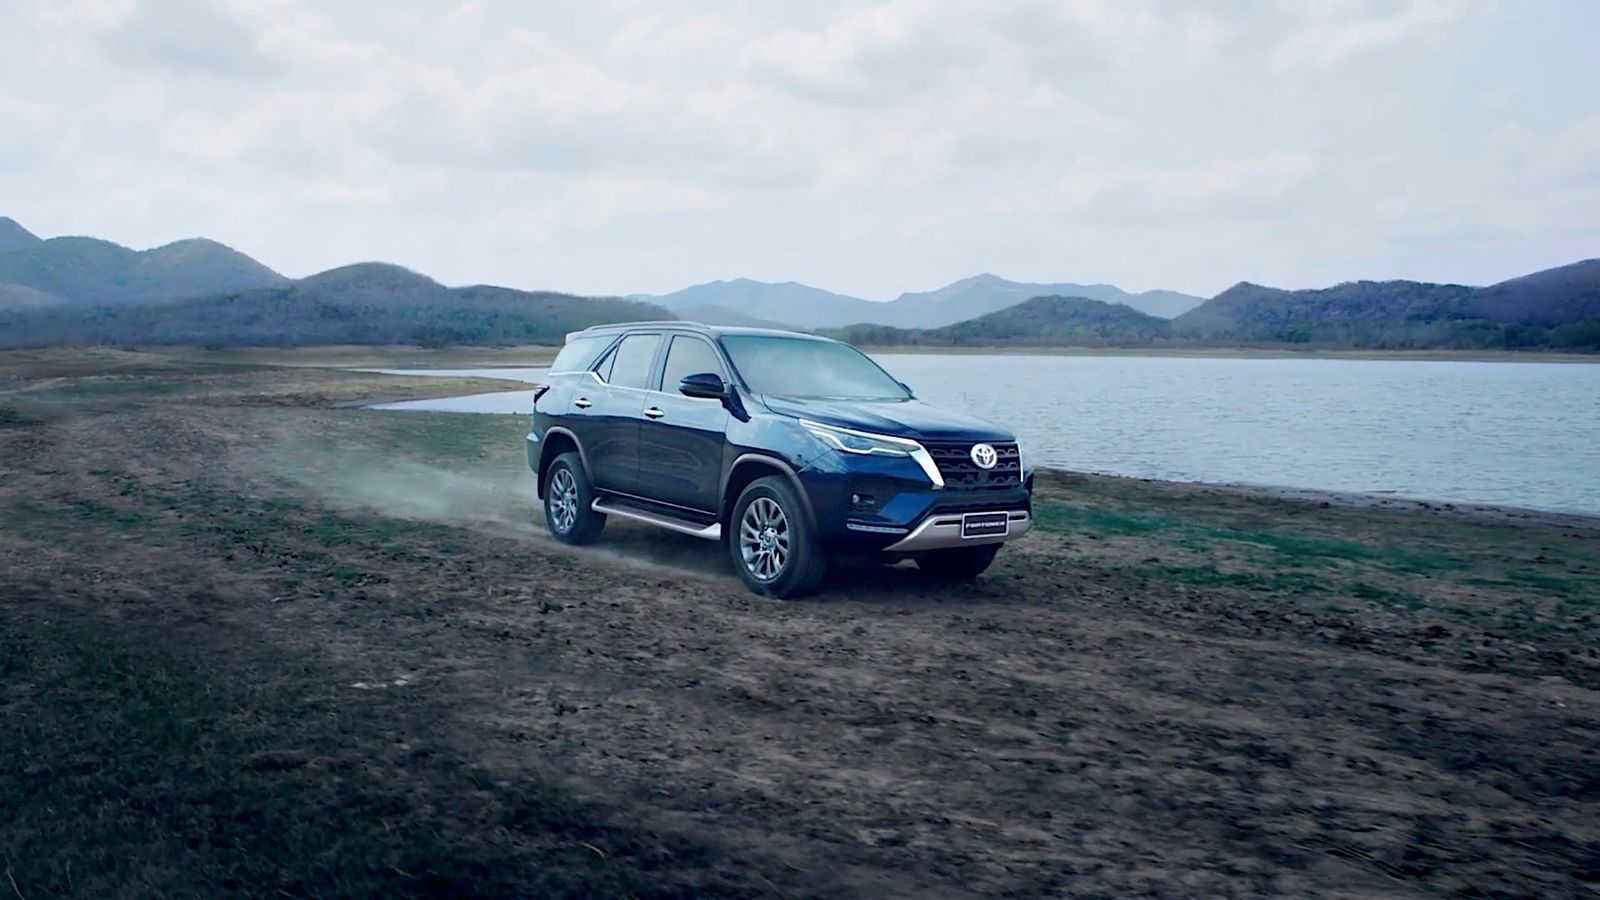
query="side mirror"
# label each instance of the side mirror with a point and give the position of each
(706, 385)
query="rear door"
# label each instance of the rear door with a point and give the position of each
(609, 405)
(682, 438)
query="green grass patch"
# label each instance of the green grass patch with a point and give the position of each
(1421, 563)
(1256, 580)
(1295, 545)
(83, 510)
(435, 436)
(136, 389)
(1293, 549)
(1063, 517)
(11, 417)
(1386, 596)
(348, 576)
(1581, 587)
(335, 529)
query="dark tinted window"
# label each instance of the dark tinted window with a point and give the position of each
(799, 367)
(629, 364)
(578, 353)
(688, 356)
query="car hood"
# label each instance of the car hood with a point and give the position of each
(900, 418)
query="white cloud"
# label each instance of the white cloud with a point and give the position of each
(899, 49)
(1337, 32)
(186, 37)
(1270, 186)
(867, 146)
(1319, 34)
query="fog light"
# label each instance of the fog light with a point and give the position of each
(863, 505)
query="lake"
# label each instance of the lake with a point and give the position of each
(1507, 433)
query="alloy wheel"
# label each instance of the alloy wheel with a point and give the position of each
(764, 538)
(563, 500)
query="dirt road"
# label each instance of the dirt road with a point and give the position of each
(255, 643)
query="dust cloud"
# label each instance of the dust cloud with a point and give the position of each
(505, 504)
(417, 491)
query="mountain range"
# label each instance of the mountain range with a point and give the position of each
(14, 237)
(79, 290)
(803, 306)
(1556, 309)
(364, 303)
(1039, 321)
(85, 270)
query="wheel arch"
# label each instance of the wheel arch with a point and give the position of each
(557, 441)
(747, 468)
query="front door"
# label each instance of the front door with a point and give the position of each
(681, 439)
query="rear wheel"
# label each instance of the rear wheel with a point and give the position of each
(567, 498)
(958, 563)
(772, 544)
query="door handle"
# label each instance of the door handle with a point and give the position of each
(582, 403)
(654, 413)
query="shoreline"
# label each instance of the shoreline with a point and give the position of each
(1248, 353)
(1323, 498)
(422, 387)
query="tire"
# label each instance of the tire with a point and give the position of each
(958, 563)
(773, 546)
(567, 498)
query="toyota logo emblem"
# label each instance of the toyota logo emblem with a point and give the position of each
(984, 457)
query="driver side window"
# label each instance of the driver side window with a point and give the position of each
(689, 356)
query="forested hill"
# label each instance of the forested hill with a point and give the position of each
(367, 303)
(81, 290)
(1554, 309)
(13, 236)
(89, 271)
(1557, 309)
(807, 307)
(1041, 321)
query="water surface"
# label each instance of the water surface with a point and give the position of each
(1509, 433)
(494, 402)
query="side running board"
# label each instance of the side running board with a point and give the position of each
(606, 506)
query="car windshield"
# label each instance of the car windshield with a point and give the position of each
(797, 367)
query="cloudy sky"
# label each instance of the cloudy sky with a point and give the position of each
(618, 146)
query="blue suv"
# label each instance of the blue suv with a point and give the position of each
(792, 449)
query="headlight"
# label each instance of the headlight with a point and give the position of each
(860, 441)
(868, 444)
(1024, 464)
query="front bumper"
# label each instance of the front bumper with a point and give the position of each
(868, 505)
(942, 532)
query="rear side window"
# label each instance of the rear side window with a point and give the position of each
(688, 356)
(578, 354)
(629, 364)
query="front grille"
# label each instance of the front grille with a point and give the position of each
(954, 459)
(988, 505)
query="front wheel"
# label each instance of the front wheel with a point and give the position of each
(958, 563)
(771, 542)
(567, 499)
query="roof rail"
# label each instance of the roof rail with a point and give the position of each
(650, 323)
